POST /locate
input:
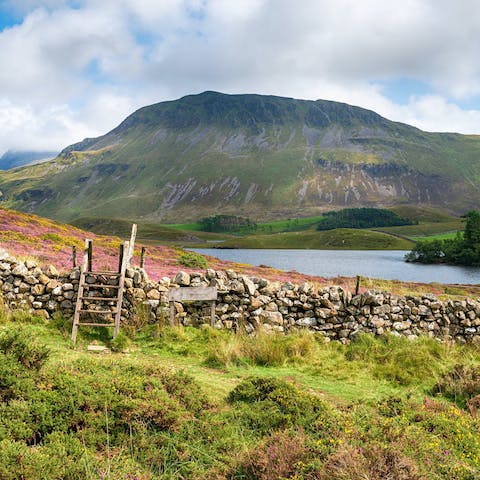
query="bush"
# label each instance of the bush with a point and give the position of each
(120, 343)
(372, 462)
(274, 403)
(192, 260)
(277, 457)
(461, 384)
(26, 351)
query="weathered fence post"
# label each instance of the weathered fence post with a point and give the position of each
(142, 257)
(120, 256)
(357, 286)
(74, 256)
(89, 254)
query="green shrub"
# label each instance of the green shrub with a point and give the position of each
(192, 260)
(28, 352)
(459, 384)
(274, 403)
(120, 343)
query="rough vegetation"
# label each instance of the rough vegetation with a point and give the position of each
(164, 411)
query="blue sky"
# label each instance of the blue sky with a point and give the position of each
(71, 69)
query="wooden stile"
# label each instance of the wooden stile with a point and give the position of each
(126, 253)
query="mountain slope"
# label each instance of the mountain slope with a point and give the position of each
(254, 155)
(14, 158)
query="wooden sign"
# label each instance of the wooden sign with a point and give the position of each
(192, 294)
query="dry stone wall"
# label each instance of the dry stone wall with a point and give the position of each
(251, 304)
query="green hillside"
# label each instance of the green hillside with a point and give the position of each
(250, 155)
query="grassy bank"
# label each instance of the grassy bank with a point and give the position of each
(338, 239)
(205, 404)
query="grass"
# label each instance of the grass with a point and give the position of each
(341, 238)
(276, 226)
(208, 404)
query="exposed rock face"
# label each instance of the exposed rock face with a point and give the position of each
(252, 304)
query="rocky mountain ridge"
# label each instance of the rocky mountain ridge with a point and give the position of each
(258, 156)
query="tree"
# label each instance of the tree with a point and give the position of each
(472, 228)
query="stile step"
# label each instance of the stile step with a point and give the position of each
(98, 311)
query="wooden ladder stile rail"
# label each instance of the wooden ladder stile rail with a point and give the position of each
(126, 253)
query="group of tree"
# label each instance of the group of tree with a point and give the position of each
(227, 223)
(464, 249)
(361, 218)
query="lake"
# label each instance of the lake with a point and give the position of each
(386, 264)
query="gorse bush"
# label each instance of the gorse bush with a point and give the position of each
(192, 260)
(18, 343)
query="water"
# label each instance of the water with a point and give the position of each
(386, 264)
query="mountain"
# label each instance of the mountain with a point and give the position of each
(252, 155)
(14, 158)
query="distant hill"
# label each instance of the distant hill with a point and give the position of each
(14, 158)
(250, 155)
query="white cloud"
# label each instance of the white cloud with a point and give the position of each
(70, 72)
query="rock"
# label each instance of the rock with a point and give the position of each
(31, 280)
(153, 294)
(271, 318)
(249, 286)
(30, 264)
(51, 271)
(182, 279)
(38, 289)
(20, 270)
(67, 286)
(307, 322)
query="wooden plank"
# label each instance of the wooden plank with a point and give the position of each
(81, 284)
(99, 312)
(192, 294)
(172, 314)
(121, 285)
(106, 273)
(105, 299)
(91, 324)
(100, 285)
(212, 313)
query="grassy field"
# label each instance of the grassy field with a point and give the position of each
(341, 238)
(205, 404)
(289, 233)
(285, 225)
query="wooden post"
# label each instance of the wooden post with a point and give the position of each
(131, 244)
(142, 257)
(172, 314)
(212, 313)
(74, 256)
(357, 286)
(120, 257)
(89, 255)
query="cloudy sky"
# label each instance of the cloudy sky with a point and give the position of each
(75, 68)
